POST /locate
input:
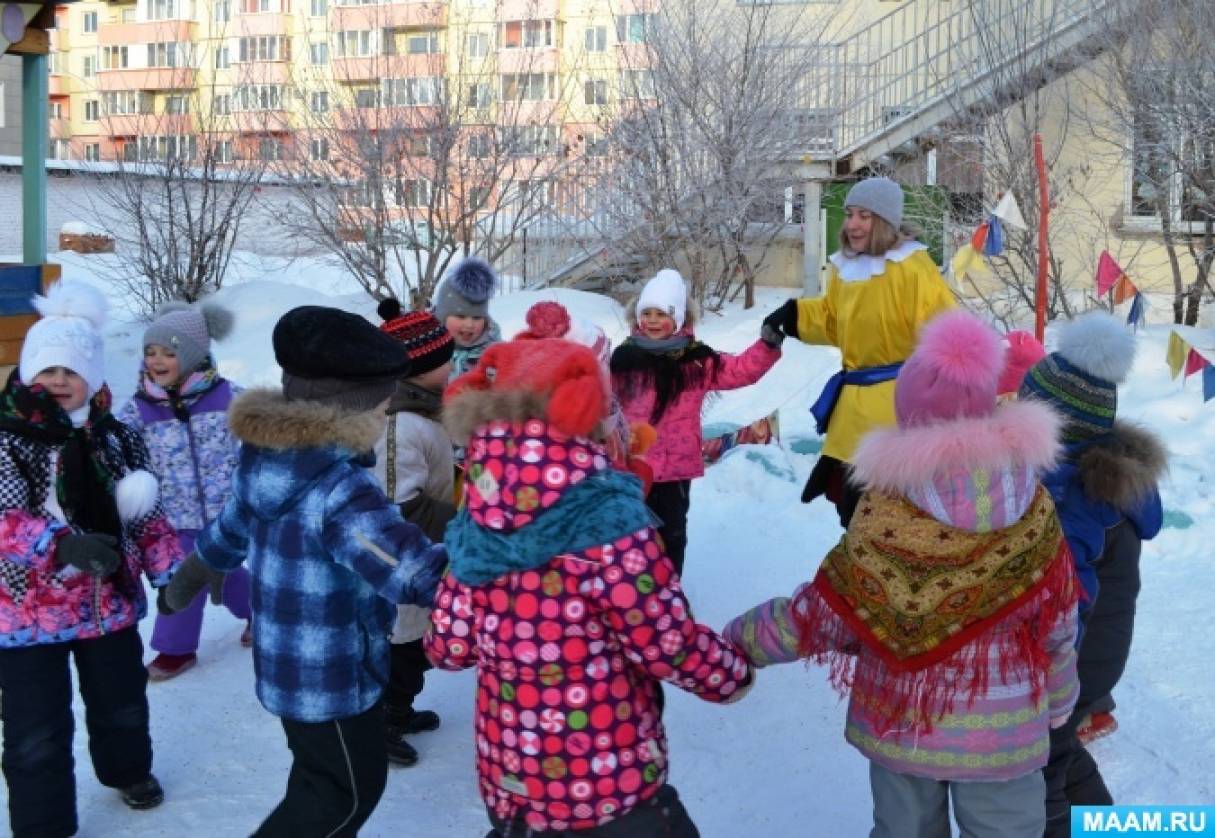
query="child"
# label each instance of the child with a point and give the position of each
(413, 462)
(81, 522)
(881, 288)
(1105, 489)
(560, 594)
(181, 409)
(330, 559)
(662, 375)
(949, 607)
(462, 305)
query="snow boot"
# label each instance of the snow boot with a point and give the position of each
(163, 667)
(146, 794)
(400, 752)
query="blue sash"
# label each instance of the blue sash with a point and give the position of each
(823, 407)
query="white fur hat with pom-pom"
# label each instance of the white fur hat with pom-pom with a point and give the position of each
(666, 292)
(68, 335)
(188, 330)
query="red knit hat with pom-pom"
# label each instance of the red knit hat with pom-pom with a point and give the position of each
(566, 376)
(546, 319)
(952, 372)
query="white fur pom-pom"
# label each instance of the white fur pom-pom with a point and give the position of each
(73, 299)
(136, 495)
(1100, 344)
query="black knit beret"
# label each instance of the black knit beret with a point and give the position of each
(322, 342)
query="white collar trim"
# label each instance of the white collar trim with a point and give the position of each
(862, 266)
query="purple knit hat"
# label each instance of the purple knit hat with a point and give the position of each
(952, 373)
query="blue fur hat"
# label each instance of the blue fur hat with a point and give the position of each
(466, 290)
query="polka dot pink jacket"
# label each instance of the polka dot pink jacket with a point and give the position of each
(568, 656)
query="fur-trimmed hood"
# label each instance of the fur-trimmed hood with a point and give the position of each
(897, 460)
(264, 418)
(1121, 468)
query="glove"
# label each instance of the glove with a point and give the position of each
(784, 319)
(738, 694)
(92, 552)
(191, 577)
(771, 336)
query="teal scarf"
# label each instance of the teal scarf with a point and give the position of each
(602, 508)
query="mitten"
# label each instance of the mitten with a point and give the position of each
(92, 552)
(784, 319)
(190, 578)
(772, 336)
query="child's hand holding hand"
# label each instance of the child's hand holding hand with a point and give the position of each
(93, 553)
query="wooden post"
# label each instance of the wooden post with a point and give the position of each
(33, 157)
(1043, 240)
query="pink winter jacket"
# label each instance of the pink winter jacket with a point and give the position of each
(676, 455)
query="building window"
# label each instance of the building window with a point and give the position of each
(130, 16)
(423, 43)
(92, 110)
(269, 148)
(55, 110)
(177, 105)
(265, 48)
(89, 20)
(529, 140)
(596, 39)
(636, 84)
(163, 9)
(480, 145)
(221, 104)
(634, 29)
(366, 97)
(528, 87)
(594, 92)
(525, 33)
(319, 101)
(317, 8)
(480, 95)
(478, 44)
(170, 147)
(318, 148)
(127, 102)
(222, 11)
(92, 152)
(259, 97)
(223, 152)
(319, 53)
(223, 59)
(412, 193)
(252, 7)
(478, 197)
(113, 58)
(164, 55)
(55, 62)
(57, 150)
(354, 43)
(413, 91)
(89, 66)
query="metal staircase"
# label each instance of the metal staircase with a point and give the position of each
(924, 64)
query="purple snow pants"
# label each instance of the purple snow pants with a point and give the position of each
(177, 634)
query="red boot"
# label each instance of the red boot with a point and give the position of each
(163, 667)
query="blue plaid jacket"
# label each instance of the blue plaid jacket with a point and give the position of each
(330, 558)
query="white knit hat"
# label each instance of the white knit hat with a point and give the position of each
(68, 335)
(667, 293)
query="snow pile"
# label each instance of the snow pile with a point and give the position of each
(776, 762)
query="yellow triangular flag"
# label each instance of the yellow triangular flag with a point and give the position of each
(967, 260)
(1178, 351)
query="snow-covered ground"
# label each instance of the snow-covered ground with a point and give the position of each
(776, 764)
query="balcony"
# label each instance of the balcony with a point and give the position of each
(408, 15)
(161, 78)
(147, 124)
(376, 67)
(528, 10)
(390, 119)
(260, 122)
(262, 72)
(529, 60)
(60, 128)
(151, 32)
(57, 85)
(263, 23)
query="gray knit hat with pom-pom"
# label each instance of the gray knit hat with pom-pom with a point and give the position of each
(465, 290)
(188, 331)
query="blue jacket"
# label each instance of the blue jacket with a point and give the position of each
(330, 556)
(1099, 485)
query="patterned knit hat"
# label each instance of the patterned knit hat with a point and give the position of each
(188, 331)
(1080, 379)
(427, 343)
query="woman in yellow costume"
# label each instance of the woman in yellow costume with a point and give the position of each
(881, 288)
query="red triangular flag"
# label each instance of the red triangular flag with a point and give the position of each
(1193, 363)
(1108, 272)
(979, 238)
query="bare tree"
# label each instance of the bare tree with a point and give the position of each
(174, 193)
(1155, 108)
(416, 150)
(703, 136)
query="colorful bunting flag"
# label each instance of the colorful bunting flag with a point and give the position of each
(979, 237)
(1208, 382)
(759, 432)
(1009, 213)
(994, 245)
(967, 260)
(1109, 273)
(1138, 313)
(1193, 362)
(1124, 290)
(1176, 354)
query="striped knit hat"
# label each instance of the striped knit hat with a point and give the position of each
(1080, 379)
(427, 343)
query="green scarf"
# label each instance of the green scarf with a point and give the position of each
(602, 508)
